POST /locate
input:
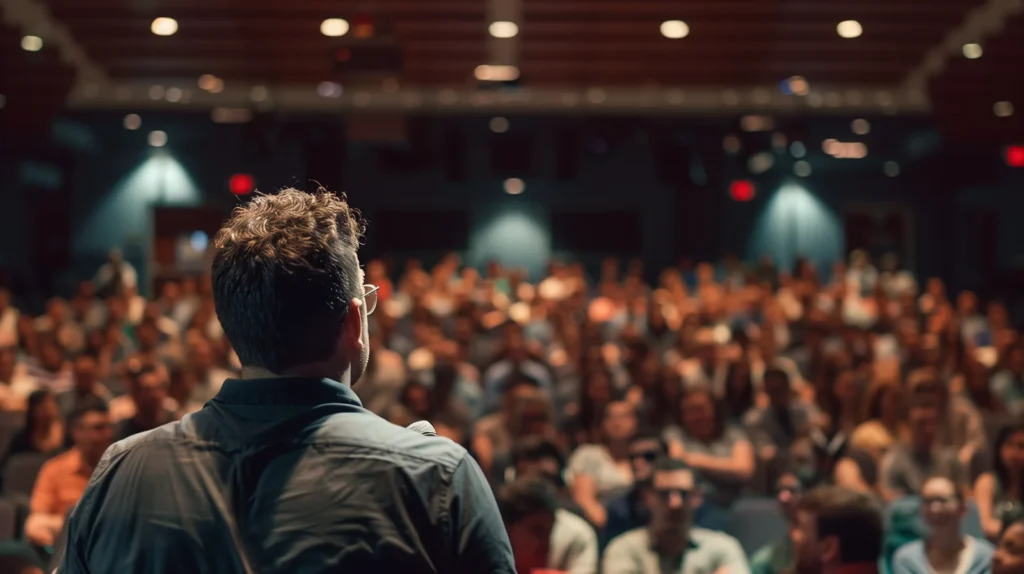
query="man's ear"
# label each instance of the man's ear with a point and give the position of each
(352, 330)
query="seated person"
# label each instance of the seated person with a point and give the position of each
(63, 479)
(669, 543)
(837, 530)
(908, 464)
(602, 472)
(148, 389)
(1009, 555)
(857, 469)
(777, 557)
(531, 515)
(629, 510)
(945, 549)
(998, 492)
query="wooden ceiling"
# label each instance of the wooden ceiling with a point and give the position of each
(571, 43)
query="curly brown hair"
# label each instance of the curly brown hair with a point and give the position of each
(284, 271)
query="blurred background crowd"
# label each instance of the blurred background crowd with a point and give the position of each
(762, 381)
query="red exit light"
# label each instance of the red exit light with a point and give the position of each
(241, 184)
(1015, 156)
(742, 190)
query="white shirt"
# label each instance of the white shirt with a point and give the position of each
(573, 545)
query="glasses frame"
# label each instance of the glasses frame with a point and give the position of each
(370, 302)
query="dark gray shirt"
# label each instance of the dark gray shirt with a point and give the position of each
(904, 471)
(286, 476)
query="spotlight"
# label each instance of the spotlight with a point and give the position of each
(164, 26)
(157, 138)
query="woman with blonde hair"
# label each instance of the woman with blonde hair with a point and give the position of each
(858, 469)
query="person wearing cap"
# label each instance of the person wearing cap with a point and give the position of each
(669, 542)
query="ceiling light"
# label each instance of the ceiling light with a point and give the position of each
(207, 82)
(329, 90)
(760, 162)
(334, 27)
(157, 138)
(731, 144)
(1003, 109)
(31, 43)
(675, 29)
(514, 186)
(496, 73)
(499, 125)
(231, 115)
(164, 26)
(503, 29)
(174, 94)
(755, 123)
(802, 168)
(779, 141)
(860, 126)
(132, 122)
(797, 149)
(259, 93)
(973, 51)
(891, 168)
(798, 86)
(156, 92)
(849, 29)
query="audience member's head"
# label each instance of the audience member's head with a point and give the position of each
(836, 527)
(149, 390)
(924, 423)
(84, 371)
(528, 508)
(699, 413)
(942, 506)
(7, 363)
(671, 500)
(1009, 455)
(788, 490)
(619, 422)
(644, 451)
(42, 410)
(1009, 555)
(91, 431)
(777, 387)
(288, 288)
(539, 457)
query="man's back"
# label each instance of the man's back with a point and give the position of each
(291, 476)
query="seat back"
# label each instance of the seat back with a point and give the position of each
(8, 520)
(20, 473)
(757, 522)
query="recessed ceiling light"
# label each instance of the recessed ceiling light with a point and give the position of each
(132, 122)
(503, 29)
(973, 51)
(329, 90)
(860, 126)
(1003, 109)
(207, 82)
(31, 43)
(797, 149)
(164, 26)
(157, 138)
(156, 92)
(487, 73)
(334, 27)
(675, 29)
(174, 94)
(514, 186)
(802, 168)
(849, 29)
(891, 168)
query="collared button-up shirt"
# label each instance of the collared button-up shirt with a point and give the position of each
(286, 476)
(708, 552)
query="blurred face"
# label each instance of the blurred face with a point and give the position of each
(531, 541)
(699, 415)
(148, 336)
(811, 553)
(92, 435)
(85, 373)
(6, 366)
(51, 357)
(924, 426)
(777, 388)
(669, 500)
(1009, 555)
(149, 392)
(417, 400)
(1016, 361)
(940, 505)
(1012, 451)
(891, 404)
(545, 467)
(47, 409)
(642, 454)
(788, 494)
(619, 421)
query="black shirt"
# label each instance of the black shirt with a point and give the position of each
(288, 476)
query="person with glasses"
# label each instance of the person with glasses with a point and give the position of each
(283, 470)
(628, 511)
(945, 549)
(670, 543)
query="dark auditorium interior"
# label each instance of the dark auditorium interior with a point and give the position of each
(777, 242)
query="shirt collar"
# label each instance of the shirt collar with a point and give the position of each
(286, 391)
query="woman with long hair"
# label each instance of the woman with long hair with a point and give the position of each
(43, 431)
(720, 452)
(1000, 492)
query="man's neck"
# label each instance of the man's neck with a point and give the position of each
(944, 543)
(314, 371)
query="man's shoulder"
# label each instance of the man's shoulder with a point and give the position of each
(630, 541)
(713, 538)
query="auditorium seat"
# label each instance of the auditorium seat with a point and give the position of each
(757, 521)
(8, 520)
(19, 475)
(10, 424)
